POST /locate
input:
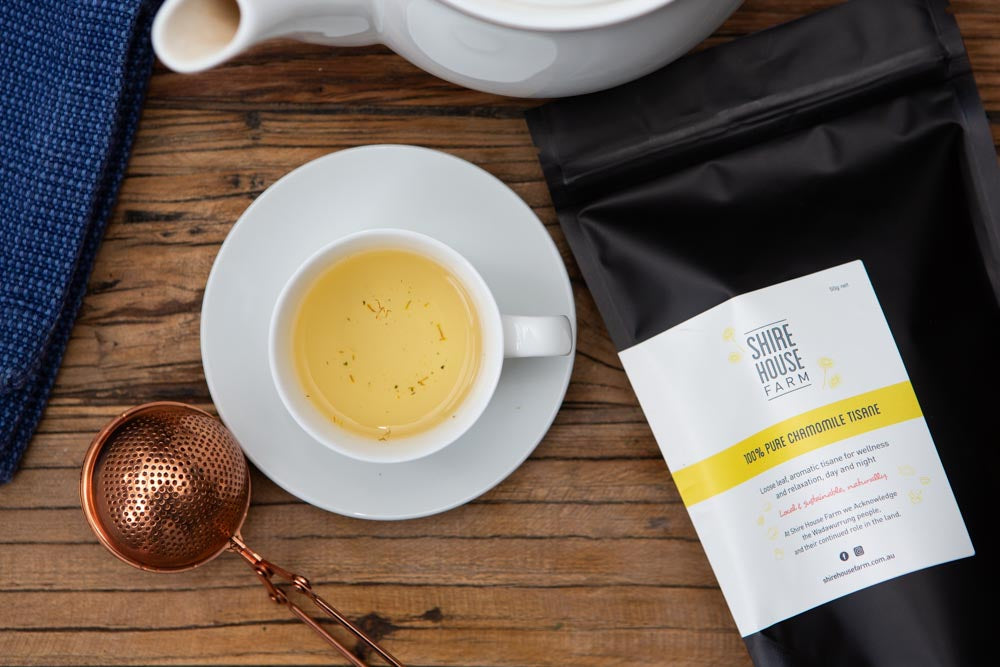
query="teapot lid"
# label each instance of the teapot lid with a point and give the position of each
(557, 15)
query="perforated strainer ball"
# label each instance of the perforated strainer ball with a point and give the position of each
(165, 486)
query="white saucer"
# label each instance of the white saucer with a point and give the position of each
(382, 186)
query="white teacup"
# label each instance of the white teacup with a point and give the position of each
(502, 336)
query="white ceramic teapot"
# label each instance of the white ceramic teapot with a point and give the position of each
(522, 48)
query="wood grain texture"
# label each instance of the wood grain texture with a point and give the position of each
(584, 556)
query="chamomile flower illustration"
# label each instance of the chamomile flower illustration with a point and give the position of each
(916, 495)
(729, 336)
(826, 363)
(834, 381)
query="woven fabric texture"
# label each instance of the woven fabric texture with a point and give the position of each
(73, 75)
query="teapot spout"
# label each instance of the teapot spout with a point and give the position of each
(196, 35)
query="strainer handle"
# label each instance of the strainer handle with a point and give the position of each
(265, 570)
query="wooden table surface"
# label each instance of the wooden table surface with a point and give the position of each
(583, 556)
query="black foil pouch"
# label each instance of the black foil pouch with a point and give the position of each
(793, 241)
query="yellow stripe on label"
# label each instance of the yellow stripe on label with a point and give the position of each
(794, 437)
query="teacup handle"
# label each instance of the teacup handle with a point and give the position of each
(534, 336)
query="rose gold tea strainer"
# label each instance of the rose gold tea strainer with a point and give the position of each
(166, 488)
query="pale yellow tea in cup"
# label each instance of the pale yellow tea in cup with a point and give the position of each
(386, 343)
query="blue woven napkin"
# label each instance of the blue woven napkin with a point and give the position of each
(73, 75)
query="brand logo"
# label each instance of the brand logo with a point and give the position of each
(776, 358)
(773, 351)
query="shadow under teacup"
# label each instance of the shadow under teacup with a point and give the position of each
(331, 274)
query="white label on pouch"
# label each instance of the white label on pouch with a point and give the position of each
(798, 445)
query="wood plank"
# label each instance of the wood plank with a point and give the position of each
(416, 607)
(270, 644)
(459, 561)
(424, 616)
(288, 520)
(644, 480)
